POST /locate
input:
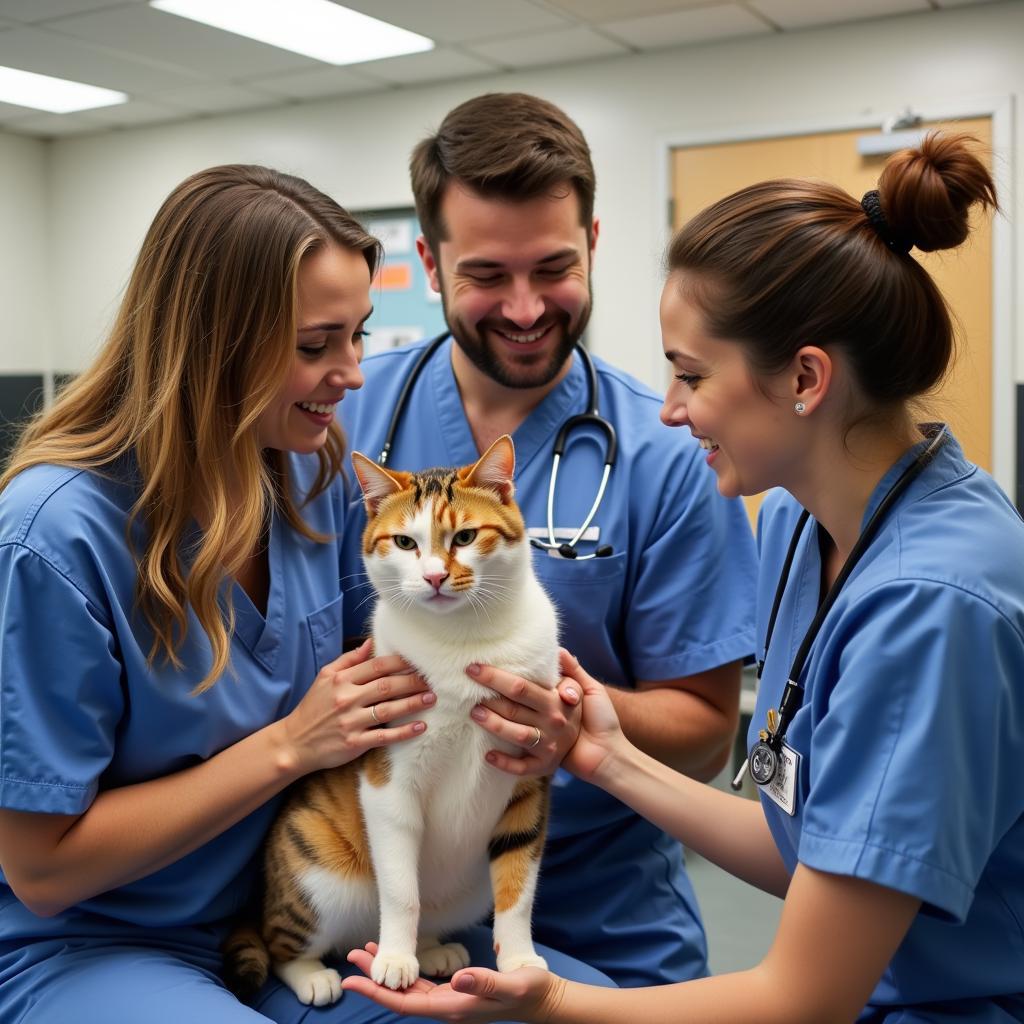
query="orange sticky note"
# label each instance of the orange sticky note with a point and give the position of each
(394, 277)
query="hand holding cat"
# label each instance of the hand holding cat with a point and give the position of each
(474, 994)
(600, 734)
(543, 721)
(341, 715)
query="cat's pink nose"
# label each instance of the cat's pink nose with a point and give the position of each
(435, 579)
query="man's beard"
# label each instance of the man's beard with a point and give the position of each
(529, 373)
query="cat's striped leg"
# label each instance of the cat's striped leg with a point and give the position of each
(515, 852)
(289, 931)
(317, 870)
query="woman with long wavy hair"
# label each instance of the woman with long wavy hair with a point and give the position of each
(171, 605)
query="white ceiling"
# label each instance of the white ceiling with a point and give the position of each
(175, 69)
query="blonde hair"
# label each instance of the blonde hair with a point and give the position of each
(203, 339)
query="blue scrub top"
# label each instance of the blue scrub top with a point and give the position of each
(81, 711)
(675, 598)
(911, 731)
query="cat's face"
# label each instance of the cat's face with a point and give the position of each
(444, 539)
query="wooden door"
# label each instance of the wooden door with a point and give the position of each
(703, 174)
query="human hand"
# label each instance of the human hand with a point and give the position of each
(600, 734)
(342, 714)
(473, 995)
(543, 721)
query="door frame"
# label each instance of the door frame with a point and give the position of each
(1007, 341)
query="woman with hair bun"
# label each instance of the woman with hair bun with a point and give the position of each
(888, 741)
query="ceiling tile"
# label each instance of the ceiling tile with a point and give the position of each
(315, 84)
(606, 10)
(47, 53)
(11, 112)
(138, 112)
(699, 25)
(49, 125)
(213, 97)
(454, 21)
(792, 14)
(431, 66)
(548, 48)
(41, 10)
(149, 34)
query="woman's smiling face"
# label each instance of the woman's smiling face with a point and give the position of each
(747, 433)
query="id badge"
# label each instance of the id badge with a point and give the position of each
(782, 788)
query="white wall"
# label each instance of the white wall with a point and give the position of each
(105, 188)
(26, 294)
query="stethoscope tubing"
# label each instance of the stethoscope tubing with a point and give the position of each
(793, 692)
(592, 417)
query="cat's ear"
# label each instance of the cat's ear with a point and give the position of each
(377, 483)
(494, 469)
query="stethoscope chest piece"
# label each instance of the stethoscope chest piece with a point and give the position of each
(764, 763)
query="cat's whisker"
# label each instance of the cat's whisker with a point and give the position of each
(353, 575)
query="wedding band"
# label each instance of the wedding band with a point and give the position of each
(373, 715)
(536, 738)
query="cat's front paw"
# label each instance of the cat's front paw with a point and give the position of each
(312, 983)
(443, 960)
(513, 961)
(394, 970)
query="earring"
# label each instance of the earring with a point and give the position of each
(800, 408)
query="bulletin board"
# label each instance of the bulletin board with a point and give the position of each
(405, 307)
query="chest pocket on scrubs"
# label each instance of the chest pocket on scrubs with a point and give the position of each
(588, 595)
(325, 632)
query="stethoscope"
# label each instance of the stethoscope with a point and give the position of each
(764, 757)
(592, 417)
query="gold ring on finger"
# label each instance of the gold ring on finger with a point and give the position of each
(373, 715)
(536, 739)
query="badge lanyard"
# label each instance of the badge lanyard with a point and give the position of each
(764, 757)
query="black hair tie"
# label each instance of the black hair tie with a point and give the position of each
(872, 206)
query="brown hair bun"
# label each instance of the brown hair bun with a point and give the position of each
(927, 193)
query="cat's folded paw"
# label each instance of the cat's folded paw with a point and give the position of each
(394, 970)
(318, 988)
(513, 961)
(443, 960)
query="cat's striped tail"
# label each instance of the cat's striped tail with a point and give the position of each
(246, 961)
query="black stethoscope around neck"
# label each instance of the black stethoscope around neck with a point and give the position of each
(592, 417)
(763, 760)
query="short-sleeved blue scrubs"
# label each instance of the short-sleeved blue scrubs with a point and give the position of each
(911, 732)
(81, 711)
(675, 598)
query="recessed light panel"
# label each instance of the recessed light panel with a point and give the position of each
(57, 95)
(315, 28)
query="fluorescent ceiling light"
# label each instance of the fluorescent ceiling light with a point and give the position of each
(58, 95)
(316, 28)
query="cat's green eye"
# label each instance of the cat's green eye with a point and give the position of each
(464, 537)
(403, 542)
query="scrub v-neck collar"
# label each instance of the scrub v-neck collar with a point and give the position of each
(534, 434)
(262, 634)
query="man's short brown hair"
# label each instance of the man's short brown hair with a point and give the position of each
(509, 146)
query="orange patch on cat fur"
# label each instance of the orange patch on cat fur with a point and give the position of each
(526, 814)
(487, 541)
(377, 767)
(526, 808)
(510, 873)
(327, 819)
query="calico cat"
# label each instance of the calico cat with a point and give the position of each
(398, 845)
